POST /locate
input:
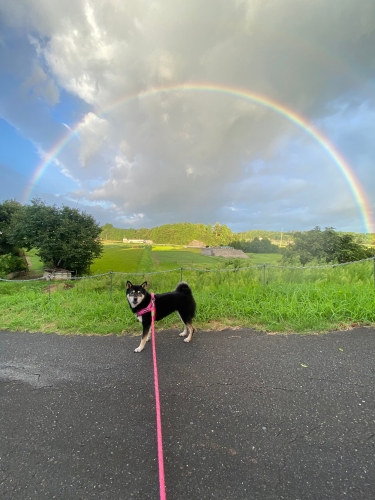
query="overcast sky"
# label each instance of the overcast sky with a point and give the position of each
(190, 155)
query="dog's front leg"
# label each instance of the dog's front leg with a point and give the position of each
(146, 335)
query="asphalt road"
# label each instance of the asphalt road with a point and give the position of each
(245, 416)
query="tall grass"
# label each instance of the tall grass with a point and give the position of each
(290, 300)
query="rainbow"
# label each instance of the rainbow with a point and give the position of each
(355, 186)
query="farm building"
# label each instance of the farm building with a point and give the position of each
(57, 274)
(196, 244)
(224, 252)
(138, 242)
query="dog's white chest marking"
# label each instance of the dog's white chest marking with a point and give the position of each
(139, 318)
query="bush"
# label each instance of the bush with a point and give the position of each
(325, 246)
(257, 245)
(11, 263)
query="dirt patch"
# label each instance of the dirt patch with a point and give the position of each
(26, 275)
(56, 287)
(51, 288)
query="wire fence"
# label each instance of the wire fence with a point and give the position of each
(264, 269)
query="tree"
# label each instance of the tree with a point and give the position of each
(257, 245)
(7, 210)
(225, 235)
(63, 237)
(261, 245)
(216, 229)
(12, 258)
(350, 251)
(327, 246)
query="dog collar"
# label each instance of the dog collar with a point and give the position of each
(149, 308)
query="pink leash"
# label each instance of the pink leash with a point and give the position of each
(157, 404)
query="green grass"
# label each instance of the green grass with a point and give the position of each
(264, 258)
(117, 257)
(293, 300)
(168, 248)
(35, 264)
(182, 258)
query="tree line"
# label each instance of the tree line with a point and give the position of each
(314, 246)
(181, 233)
(68, 238)
(326, 246)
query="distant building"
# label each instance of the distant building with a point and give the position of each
(197, 244)
(228, 252)
(57, 274)
(137, 242)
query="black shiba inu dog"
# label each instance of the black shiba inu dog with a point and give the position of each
(181, 301)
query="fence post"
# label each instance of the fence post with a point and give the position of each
(374, 271)
(264, 274)
(110, 273)
(49, 287)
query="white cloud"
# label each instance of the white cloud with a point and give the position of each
(181, 155)
(40, 85)
(93, 133)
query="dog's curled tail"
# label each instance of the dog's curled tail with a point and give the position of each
(184, 288)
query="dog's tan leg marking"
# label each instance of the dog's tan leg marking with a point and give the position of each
(141, 345)
(191, 333)
(144, 339)
(184, 333)
(149, 335)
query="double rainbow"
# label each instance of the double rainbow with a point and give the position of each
(346, 170)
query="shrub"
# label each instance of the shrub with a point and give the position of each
(12, 263)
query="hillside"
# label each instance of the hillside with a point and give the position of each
(178, 234)
(212, 235)
(184, 232)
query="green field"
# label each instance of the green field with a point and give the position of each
(117, 257)
(264, 258)
(273, 299)
(170, 259)
(120, 258)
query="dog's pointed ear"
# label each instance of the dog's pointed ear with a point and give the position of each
(129, 284)
(144, 285)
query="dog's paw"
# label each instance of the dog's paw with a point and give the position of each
(187, 340)
(138, 349)
(183, 334)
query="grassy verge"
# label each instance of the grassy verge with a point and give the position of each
(309, 300)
